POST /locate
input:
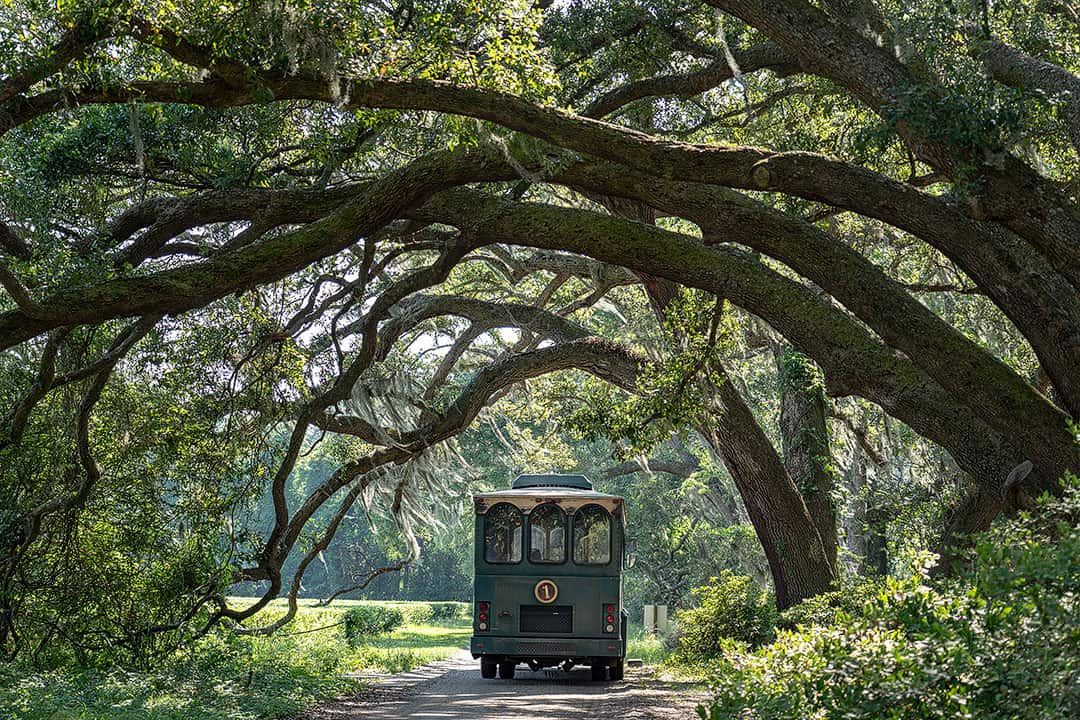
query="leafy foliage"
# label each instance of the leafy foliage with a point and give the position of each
(449, 611)
(730, 607)
(366, 621)
(832, 607)
(674, 391)
(192, 428)
(228, 677)
(998, 642)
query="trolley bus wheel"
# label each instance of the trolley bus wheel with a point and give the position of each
(599, 670)
(616, 672)
(487, 668)
(506, 670)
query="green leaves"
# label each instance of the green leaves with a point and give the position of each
(227, 677)
(672, 394)
(729, 608)
(367, 621)
(998, 642)
(981, 117)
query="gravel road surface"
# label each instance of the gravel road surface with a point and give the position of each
(454, 690)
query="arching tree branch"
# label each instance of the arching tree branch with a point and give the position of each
(854, 362)
(759, 57)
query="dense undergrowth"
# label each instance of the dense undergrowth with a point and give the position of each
(230, 677)
(1000, 640)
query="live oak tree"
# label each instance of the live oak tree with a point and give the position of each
(230, 231)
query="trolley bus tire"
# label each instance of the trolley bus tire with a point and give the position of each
(487, 668)
(506, 670)
(617, 671)
(599, 671)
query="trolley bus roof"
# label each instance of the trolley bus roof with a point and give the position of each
(568, 498)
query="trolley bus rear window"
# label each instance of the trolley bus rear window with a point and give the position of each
(503, 534)
(592, 536)
(547, 534)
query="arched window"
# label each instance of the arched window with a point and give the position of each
(502, 534)
(592, 536)
(547, 534)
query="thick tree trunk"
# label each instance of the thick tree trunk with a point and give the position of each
(974, 514)
(800, 568)
(806, 441)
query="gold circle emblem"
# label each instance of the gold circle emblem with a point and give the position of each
(546, 591)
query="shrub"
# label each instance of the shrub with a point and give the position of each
(831, 607)
(998, 642)
(818, 610)
(416, 613)
(366, 621)
(223, 676)
(449, 611)
(730, 606)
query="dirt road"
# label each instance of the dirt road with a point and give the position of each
(454, 690)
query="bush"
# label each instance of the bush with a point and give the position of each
(829, 608)
(449, 611)
(415, 613)
(998, 642)
(819, 610)
(366, 621)
(730, 606)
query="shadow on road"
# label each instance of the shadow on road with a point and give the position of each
(460, 693)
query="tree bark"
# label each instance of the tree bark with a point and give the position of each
(855, 530)
(805, 439)
(1011, 191)
(876, 560)
(800, 567)
(961, 366)
(1013, 67)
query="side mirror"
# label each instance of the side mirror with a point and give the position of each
(631, 553)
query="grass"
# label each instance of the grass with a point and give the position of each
(225, 677)
(411, 646)
(649, 648)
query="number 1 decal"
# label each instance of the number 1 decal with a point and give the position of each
(546, 591)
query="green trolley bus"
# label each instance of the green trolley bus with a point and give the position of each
(549, 558)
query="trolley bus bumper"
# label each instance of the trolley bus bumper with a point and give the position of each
(567, 648)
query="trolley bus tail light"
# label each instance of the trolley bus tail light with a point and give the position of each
(482, 615)
(609, 618)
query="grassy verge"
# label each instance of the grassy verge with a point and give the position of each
(649, 648)
(224, 677)
(662, 662)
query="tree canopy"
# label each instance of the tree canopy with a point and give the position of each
(240, 237)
